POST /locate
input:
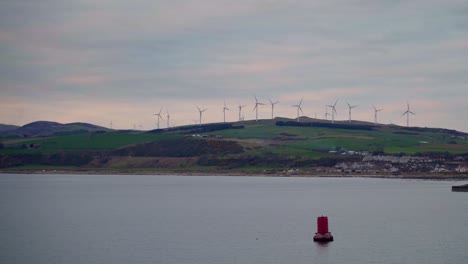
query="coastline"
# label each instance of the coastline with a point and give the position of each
(299, 174)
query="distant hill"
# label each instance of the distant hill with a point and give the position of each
(48, 128)
(278, 145)
(4, 128)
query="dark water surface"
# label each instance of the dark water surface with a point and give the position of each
(189, 219)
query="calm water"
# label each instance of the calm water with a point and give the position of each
(175, 219)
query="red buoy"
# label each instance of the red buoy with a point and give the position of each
(322, 235)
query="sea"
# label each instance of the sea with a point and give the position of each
(221, 219)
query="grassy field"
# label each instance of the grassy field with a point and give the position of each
(316, 142)
(261, 140)
(99, 141)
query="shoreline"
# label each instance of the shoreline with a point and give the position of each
(415, 176)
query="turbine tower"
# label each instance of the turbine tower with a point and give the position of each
(407, 113)
(326, 113)
(201, 112)
(350, 107)
(240, 111)
(256, 108)
(299, 108)
(272, 107)
(168, 116)
(333, 110)
(224, 111)
(110, 124)
(375, 113)
(159, 116)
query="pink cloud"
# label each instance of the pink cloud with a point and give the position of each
(83, 80)
(456, 44)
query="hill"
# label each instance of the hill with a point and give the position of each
(267, 145)
(5, 128)
(47, 128)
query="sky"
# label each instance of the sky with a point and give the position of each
(99, 61)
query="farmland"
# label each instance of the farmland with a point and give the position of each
(248, 146)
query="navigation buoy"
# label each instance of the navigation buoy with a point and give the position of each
(322, 235)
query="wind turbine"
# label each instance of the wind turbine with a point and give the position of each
(333, 112)
(272, 107)
(375, 113)
(407, 113)
(159, 116)
(111, 124)
(256, 108)
(350, 107)
(240, 111)
(326, 113)
(168, 116)
(299, 108)
(224, 111)
(201, 112)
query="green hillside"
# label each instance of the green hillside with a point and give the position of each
(263, 145)
(80, 142)
(316, 139)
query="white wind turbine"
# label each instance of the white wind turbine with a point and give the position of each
(375, 113)
(201, 112)
(350, 107)
(299, 108)
(224, 111)
(240, 111)
(110, 124)
(168, 116)
(256, 108)
(272, 107)
(333, 110)
(407, 113)
(159, 116)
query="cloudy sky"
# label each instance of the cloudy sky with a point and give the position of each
(101, 60)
